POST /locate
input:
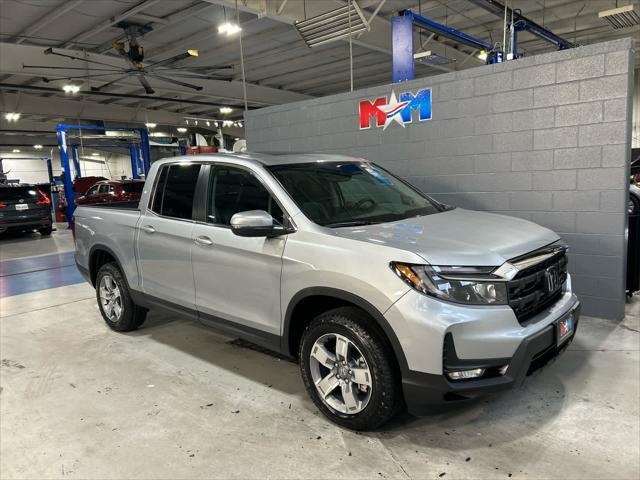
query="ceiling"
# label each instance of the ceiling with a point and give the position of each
(279, 67)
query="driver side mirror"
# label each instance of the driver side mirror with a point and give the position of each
(256, 223)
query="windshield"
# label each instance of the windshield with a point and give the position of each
(337, 194)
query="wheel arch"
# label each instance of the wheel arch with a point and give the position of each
(98, 256)
(332, 298)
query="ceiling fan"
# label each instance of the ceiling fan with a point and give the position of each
(133, 53)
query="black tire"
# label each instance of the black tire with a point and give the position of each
(386, 392)
(131, 316)
(46, 231)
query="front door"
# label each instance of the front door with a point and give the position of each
(237, 278)
(165, 236)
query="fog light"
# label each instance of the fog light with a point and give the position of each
(463, 374)
(502, 370)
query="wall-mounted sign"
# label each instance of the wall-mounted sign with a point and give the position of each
(385, 111)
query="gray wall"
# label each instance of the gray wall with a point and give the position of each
(546, 138)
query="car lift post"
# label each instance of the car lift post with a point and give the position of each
(402, 41)
(62, 130)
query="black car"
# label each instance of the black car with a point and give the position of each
(24, 207)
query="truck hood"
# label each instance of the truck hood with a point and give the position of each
(457, 237)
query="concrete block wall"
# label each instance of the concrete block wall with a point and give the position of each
(546, 138)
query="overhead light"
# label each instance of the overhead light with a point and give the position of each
(196, 122)
(226, 110)
(12, 116)
(240, 124)
(227, 123)
(621, 17)
(38, 147)
(228, 28)
(71, 88)
(482, 55)
(94, 154)
(16, 150)
(150, 125)
(193, 52)
(237, 138)
(208, 123)
(159, 134)
(182, 129)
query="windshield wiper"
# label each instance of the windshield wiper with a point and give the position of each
(352, 223)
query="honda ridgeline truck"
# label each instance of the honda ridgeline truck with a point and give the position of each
(388, 298)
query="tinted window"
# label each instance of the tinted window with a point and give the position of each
(104, 188)
(175, 190)
(234, 190)
(18, 193)
(351, 193)
(135, 187)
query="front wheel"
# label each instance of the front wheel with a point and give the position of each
(115, 302)
(46, 231)
(348, 370)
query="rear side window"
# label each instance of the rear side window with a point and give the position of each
(175, 190)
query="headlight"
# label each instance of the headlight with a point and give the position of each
(470, 285)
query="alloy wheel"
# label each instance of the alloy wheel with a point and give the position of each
(110, 298)
(340, 374)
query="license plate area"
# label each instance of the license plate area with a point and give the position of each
(22, 206)
(565, 328)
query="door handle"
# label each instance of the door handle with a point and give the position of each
(149, 229)
(203, 240)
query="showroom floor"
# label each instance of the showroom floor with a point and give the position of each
(176, 400)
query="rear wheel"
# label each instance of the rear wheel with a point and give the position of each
(46, 231)
(115, 302)
(348, 370)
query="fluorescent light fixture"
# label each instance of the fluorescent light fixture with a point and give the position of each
(94, 154)
(229, 28)
(482, 55)
(12, 116)
(71, 88)
(621, 17)
(150, 125)
(226, 110)
(227, 123)
(182, 129)
(16, 150)
(208, 123)
(38, 147)
(240, 124)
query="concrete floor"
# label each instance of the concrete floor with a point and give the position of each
(176, 400)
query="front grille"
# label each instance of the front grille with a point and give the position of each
(529, 292)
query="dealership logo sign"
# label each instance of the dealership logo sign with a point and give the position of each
(382, 111)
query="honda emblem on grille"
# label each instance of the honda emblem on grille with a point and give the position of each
(552, 278)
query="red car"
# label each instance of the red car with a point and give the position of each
(108, 191)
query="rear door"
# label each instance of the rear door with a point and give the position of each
(165, 235)
(237, 279)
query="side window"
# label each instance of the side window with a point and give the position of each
(93, 190)
(233, 190)
(112, 189)
(175, 190)
(158, 192)
(104, 188)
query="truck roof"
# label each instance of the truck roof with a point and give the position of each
(268, 159)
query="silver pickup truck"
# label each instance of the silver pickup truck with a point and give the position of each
(388, 298)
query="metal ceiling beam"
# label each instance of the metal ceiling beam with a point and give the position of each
(152, 18)
(103, 25)
(48, 18)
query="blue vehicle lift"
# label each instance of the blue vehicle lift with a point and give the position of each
(138, 150)
(134, 151)
(402, 37)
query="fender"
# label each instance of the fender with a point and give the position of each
(351, 298)
(110, 252)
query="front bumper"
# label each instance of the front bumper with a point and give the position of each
(423, 390)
